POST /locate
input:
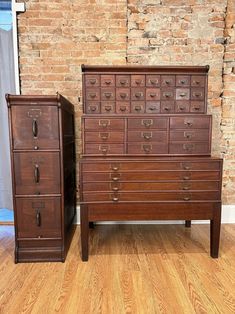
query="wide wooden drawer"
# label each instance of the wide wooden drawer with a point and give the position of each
(202, 122)
(151, 176)
(151, 186)
(147, 136)
(109, 137)
(37, 173)
(104, 149)
(35, 127)
(117, 165)
(103, 124)
(38, 217)
(189, 135)
(147, 123)
(189, 148)
(147, 148)
(150, 196)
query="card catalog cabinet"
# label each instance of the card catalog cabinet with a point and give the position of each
(146, 148)
(43, 171)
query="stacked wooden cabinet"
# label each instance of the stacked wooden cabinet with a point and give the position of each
(43, 171)
(147, 148)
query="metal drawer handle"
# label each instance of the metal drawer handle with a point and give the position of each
(186, 187)
(196, 108)
(188, 135)
(123, 82)
(153, 82)
(137, 108)
(115, 199)
(182, 108)
(186, 178)
(108, 95)
(104, 136)
(147, 136)
(186, 198)
(108, 108)
(138, 82)
(138, 95)
(104, 123)
(188, 123)
(188, 147)
(186, 166)
(115, 188)
(152, 108)
(123, 108)
(197, 94)
(92, 95)
(104, 150)
(38, 218)
(153, 95)
(108, 82)
(123, 95)
(183, 94)
(147, 148)
(35, 128)
(166, 108)
(115, 178)
(196, 82)
(182, 81)
(147, 123)
(93, 81)
(167, 82)
(115, 168)
(167, 95)
(36, 173)
(93, 108)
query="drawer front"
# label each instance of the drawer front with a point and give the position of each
(35, 127)
(138, 107)
(92, 107)
(107, 107)
(107, 80)
(151, 165)
(152, 186)
(93, 94)
(123, 94)
(182, 80)
(198, 80)
(123, 80)
(153, 107)
(92, 80)
(189, 148)
(138, 93)
(167, 107)
(153, 94)
(167, 80)
(106, 137)
(38, 217)
(123, 107)
(107, 94)
(202, 122)
(167, 94)
(147, 148)
(185, 176)
(197, 107)
(189, 135)
(182, 106)
(104, 149)
(137, 80)
(182, 94)
(152, 80)
(147, 123)
(37, 173)
(197, 93)
(103, 124)
(147, 136)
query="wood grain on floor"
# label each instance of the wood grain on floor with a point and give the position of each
(131, 269)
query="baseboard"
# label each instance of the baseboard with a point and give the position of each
(228, 216)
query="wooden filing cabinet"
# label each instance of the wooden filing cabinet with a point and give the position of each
(43, 170)
(146, 151)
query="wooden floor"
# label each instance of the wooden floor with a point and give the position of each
(132, 269)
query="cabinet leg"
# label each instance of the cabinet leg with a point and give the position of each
(187, 223)
(215, 225)
(84, 232)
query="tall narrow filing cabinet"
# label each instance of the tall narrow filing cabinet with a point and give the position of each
(147, 147)
(43, 171)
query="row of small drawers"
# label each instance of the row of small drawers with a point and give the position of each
(152, 107)
(149, 80)
(126, 94)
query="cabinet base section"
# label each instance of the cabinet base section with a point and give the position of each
(33, 250)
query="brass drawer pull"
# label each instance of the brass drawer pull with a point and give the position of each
(138, 95)
(138, 82)
(123, 82)
(92, 108)
(166, 108)
(188, 135)
(147, 136)
(115, 178)
(183, 94)
(115, 199)
(168, 95)
(36, 173)
(147, 148)
(115, 168)
(92, 81)
(108, 82)
(186, 166)
(186, 187)
(137, 108)
(104, 136)
(104, 123)
(153, 95)
(188, 147)
(38, 218)
(198, 94)
(152, 108)
(35, 128)
(123, 95)
(167, 82)
(182, 82)
(188, 123)
(92, 95)
(196, 108)
(153, 82)
(186, 178)
(123, 108)
(108, 108)
(108, 95)
(196, 82)
(115, 188)
(186, 198)
(147, 123)
(104, 150)
(182, 108)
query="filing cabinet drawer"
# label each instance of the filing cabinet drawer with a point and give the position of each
(137, 107)
(107, 107)
(92, 80)
(147, 123)
(202, 122)
(147, 148)
(189, 135)
(103, 124)
(123, 80)
(137, 80)
(98, 137)
(147, 136)
(107, 80)
(93, 107)
(153, 80)
(107, 94)
(198, 81)
(93, 94)
(138, 94)
(123, 94)
(153, 107)
(189, 148)
(104, 149)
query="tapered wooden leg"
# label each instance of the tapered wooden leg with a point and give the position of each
(91, 224)
(215, 225)
(84, 232)
(187, 223)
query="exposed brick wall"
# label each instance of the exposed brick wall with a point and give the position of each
(56, 37)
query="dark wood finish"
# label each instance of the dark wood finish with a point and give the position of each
(43, 171)
(147, 155)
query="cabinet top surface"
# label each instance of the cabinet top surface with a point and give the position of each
(143, 68)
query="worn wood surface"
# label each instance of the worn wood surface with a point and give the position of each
(131, 269)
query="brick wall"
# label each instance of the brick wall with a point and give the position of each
(56, 37)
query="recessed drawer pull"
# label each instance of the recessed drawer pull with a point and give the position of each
(123, 95)
(115, 178)
(123, 108)
(138, 82)
(186, 198)
(35, 128)
(183, 94)
(107, 108)
(123, 82)
(138, 95)
(186, 178)
(115, 199)
(92, 95)
(108, 95)
(38, 218)
(36, 173)
(137, 108)
(92, 81)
